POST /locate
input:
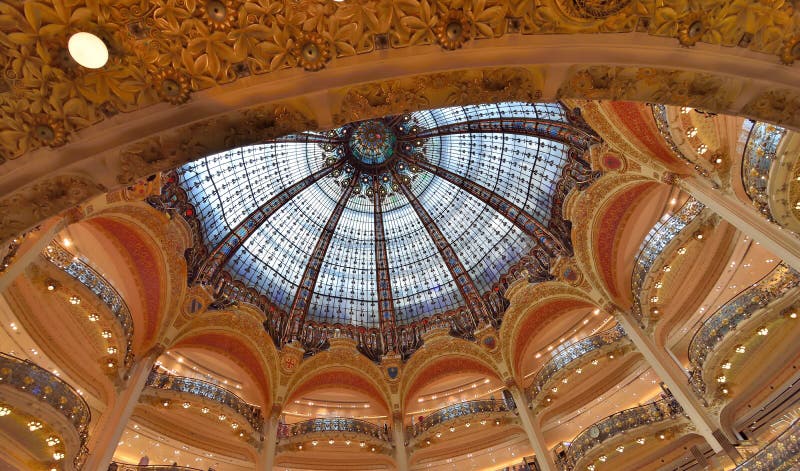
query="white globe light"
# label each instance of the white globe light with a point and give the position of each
(88, 50)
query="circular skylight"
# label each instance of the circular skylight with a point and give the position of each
(385, 222)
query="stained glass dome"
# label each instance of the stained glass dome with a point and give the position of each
(385, 222)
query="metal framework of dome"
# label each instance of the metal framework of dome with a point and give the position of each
(384, 227)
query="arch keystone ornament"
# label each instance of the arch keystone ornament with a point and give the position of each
(392, 364)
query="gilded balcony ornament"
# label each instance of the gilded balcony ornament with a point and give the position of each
(219, 15)
(311, 51)
(782, 453)
(598, 9)
(334, 424)
(660, 411)
(691, 28)
(172, 86)
(453, 30)
(207, 391)
(461, 410)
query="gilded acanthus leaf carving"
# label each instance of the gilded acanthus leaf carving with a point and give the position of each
(165, 50)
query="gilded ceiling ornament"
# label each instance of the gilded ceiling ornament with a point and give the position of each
(791, 50)
(691, 28)
(311, 51)
(172, 86)
(453, 30)
(220, 15)
(598, 8)
(48, 130)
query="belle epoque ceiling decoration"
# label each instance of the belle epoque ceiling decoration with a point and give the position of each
(386, 225)
(161, 50)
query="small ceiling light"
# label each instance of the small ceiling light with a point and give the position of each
(596, 312)
(222, 417)
(603, 458)
(620, 448)
(654, 299)
(590, 467)
(88, 50)
(763, 331)
(667, 268)
(595, 362)
(51, 285)
(741, 349)
(427, 442)
(662, 436)
(111, 363)
(452, 429)
(93, 317)
(640, 441)
(4, 411)
(300, 446)
(74, 300)
(685, 110)
(165, 403)
(58, 456)
(187, 405)
(579, 370)
(362, 444)
(314, 442)
(681, 250)
(467, 424)
(34, 426)
(106, 334)
(347, 442)
(726, 365)
(234, 425)
(52, 440)
(483, 421)
(554, 389)
(793, 315)
(724, 390)
(659, 284)
(438, 434)
(373, 449)
(204, 410)
(497, 421)
(691, 132)
(111, 350)
(722, 379)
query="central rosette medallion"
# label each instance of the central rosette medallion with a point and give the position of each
(372, 142)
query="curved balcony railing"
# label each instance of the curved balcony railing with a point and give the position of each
(26, 376)
(210, 391)
(619, 423)
(662, 233)
(572, 353)
(782, 453)
(455, 411)
(759, 153)
(115, 466)
(727, 318)
(334, 424)
(98, 285)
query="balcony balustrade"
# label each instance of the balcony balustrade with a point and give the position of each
(49, 389)
(97, 284)
(728, 317)
(209, 391)
(781, 454)
(115, 466)
(570, 354)
(616, 424)
(659, 237)
(334, 424)
(456, 411)
(759, 154)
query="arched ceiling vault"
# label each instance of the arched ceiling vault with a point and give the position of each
(339, 363)
(442, 356)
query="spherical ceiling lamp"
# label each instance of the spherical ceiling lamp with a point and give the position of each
(88, 50)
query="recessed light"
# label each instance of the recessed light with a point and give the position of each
(88, 50)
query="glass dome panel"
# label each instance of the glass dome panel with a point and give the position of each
(507, 165)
